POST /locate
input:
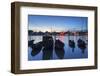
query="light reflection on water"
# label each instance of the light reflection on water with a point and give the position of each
(68, 50)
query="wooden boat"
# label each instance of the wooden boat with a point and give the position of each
(72, 43)
(30, 43)
(47, 47)
(81, 44)
(59, 49)
(36, 48)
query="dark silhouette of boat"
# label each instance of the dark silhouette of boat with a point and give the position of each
(59, 49)
(59, 44)
(36, 48)
(72, 44)
(47, 47)
(30, 43)
(82, 45)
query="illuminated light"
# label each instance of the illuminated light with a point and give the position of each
(62, 36)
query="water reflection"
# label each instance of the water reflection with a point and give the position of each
(45, 48)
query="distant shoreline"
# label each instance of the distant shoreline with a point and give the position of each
(60, 35)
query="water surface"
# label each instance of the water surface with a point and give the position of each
(69, 54)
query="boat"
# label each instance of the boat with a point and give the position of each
(47, 47)
(72, 44)
(59, 44)
(36, 48)
(30, 43)
(81, 44)
(59, 49)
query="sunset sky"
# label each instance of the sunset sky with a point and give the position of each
(56, 23)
